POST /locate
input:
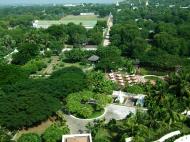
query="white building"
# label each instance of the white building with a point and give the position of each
(87, 14)
(117, 4)
(77, 138)
(69, 5)
(121, 97)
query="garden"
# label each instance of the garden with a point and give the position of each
(87, 104)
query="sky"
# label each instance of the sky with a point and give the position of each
(13, 2)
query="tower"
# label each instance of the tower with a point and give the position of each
(117, 4)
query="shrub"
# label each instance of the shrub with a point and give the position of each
(30, 137)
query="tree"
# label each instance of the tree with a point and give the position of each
(10, 74)
(56, 47)
(25, 53)
(138, 47)
(55, 132)
(26, 109)
(77, 34)
(58, 31)
(95, 36)
(72, 79)
(110, 58)
(30, 137)
(77, 103)
(183, 30)
(75, 55)
(180, 84)
(124, 34)
(98, 83)
(135, 89)
(101, 24)
(102, 135)
(166, 27)
(167, 42)
(83, 104)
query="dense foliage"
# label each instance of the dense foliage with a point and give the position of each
(17, 114)
(154, 34)
(55, 132)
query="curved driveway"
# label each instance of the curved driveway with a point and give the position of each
(112, 111)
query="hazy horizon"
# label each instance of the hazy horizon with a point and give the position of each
(30, 2)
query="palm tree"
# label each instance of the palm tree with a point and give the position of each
(180, 84)
(170, 116)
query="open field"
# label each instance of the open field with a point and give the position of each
(86, 21)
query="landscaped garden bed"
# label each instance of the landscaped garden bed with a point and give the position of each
(86, 104)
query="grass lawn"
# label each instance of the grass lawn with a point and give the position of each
(94, 115)
(83, 67)
(149, 71)
(85, 20)
(153, 78)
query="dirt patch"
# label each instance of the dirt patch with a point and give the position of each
(40, 129)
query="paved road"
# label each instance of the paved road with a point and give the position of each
(106, 41)
(112, 111)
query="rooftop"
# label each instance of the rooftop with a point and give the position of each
(77, 138)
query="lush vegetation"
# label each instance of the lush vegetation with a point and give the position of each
(84, 104)
(154, 37)
(163, 114)
(30, 137)
(17, 114)
(55, 131)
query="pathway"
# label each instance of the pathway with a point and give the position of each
(51, 66)
(87, 49)
(9, 56)
(106, 41)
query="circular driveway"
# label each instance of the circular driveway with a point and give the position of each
(112, 111)
(118, 112)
